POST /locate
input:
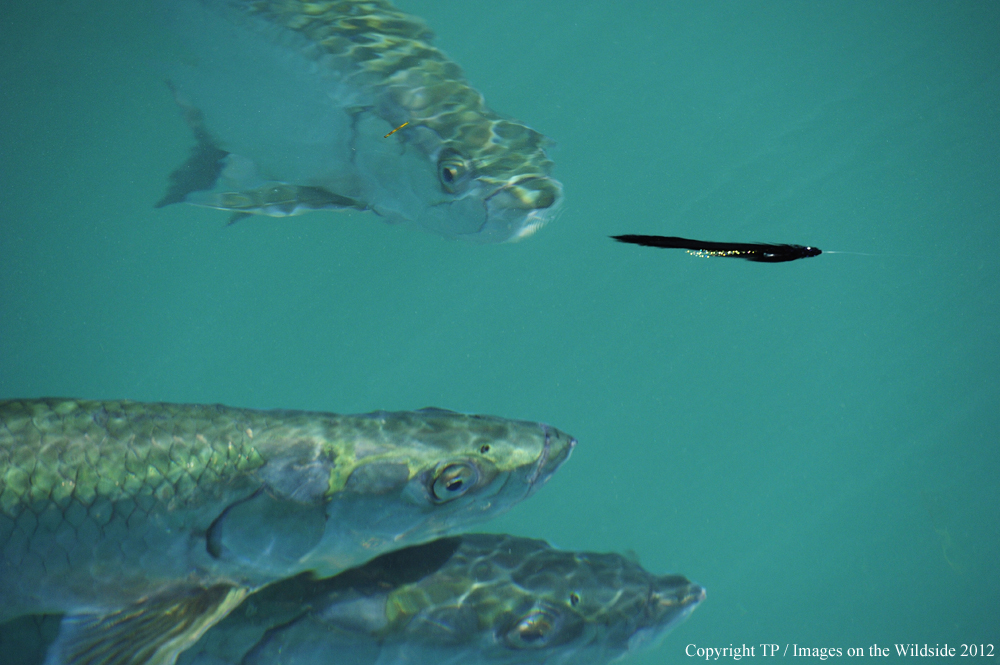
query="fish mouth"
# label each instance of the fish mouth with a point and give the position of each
(671, 600)
(518, 208)
(492, 211)
(556, 449)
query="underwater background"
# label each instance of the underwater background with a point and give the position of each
(816, 442)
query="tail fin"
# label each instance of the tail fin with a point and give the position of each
(203, 167)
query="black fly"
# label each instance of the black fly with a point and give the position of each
(749, 251)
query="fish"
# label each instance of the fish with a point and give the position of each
(291, 103)
(147, 523)
(750, 251)
(472, 598)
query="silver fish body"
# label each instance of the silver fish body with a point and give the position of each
(292, 101)
(179, 511)
(475, 598)
(470, 599)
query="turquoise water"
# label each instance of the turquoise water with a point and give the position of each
(815, 442)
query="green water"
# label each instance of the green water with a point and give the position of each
(815, 442)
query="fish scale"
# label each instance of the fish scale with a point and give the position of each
(59, 451)
(84, 478)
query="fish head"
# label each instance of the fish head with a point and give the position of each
(482, 177)
(589, 607)
(521, 601)
(411, 477)
(479, 598)
(484, 463)
(492, 198)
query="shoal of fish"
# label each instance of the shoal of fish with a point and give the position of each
(148, 534)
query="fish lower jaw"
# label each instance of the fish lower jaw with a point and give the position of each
(529, 229)
(536, 219)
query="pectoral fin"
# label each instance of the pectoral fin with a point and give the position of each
(266, 533)
(273, 198)
(215, 178)
(152, 632)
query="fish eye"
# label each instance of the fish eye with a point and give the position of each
(453, 480)
(533, 631)
(451, 170)
(574, 599)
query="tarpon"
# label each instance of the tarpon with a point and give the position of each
(495, 599)
(469, 600)
(293, 104)
(147, 523)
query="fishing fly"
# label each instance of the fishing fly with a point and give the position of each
(749, 251)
